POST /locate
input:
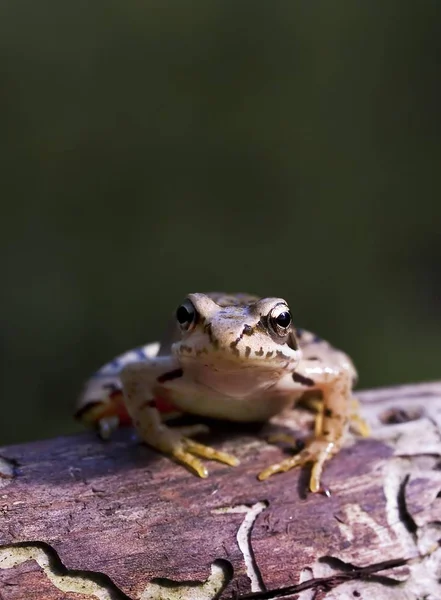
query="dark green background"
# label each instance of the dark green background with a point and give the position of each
(152, 149)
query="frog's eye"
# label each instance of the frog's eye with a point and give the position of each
(186, 315)
(280, 320)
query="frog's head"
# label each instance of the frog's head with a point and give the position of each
(229, 333)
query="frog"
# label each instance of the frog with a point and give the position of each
(235, 357)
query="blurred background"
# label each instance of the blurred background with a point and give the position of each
(151, 149)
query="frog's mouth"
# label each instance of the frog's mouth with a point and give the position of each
(235, 359)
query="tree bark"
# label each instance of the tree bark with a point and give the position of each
(81, 518)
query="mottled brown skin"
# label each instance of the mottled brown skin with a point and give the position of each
(238, 357)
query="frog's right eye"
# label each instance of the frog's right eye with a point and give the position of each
(186, 315)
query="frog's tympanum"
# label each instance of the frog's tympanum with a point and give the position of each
(234, 357)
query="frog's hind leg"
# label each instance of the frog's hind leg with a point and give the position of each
(102, 407)
(141, 389)
(101, 401)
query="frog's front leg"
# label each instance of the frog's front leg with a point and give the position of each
(144, 383)
(331, 422)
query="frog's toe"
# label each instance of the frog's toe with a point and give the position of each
(280, 467)
(190, 461)
(209, 453)
(187, 451)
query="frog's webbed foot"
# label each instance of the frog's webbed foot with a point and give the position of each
(317, 452)
(185, 451)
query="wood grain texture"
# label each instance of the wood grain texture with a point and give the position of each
(83, 519)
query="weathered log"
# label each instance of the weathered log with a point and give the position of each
(80, 518)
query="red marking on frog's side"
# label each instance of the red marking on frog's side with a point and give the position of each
(117, 407)
(113, 406)
(164, 406)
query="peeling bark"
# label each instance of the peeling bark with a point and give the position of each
(82, 519)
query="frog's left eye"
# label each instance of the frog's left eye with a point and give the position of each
(186, 315)
(280, 320)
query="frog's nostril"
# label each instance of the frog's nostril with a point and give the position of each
(247, 330)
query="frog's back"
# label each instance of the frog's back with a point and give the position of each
(315, 348)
